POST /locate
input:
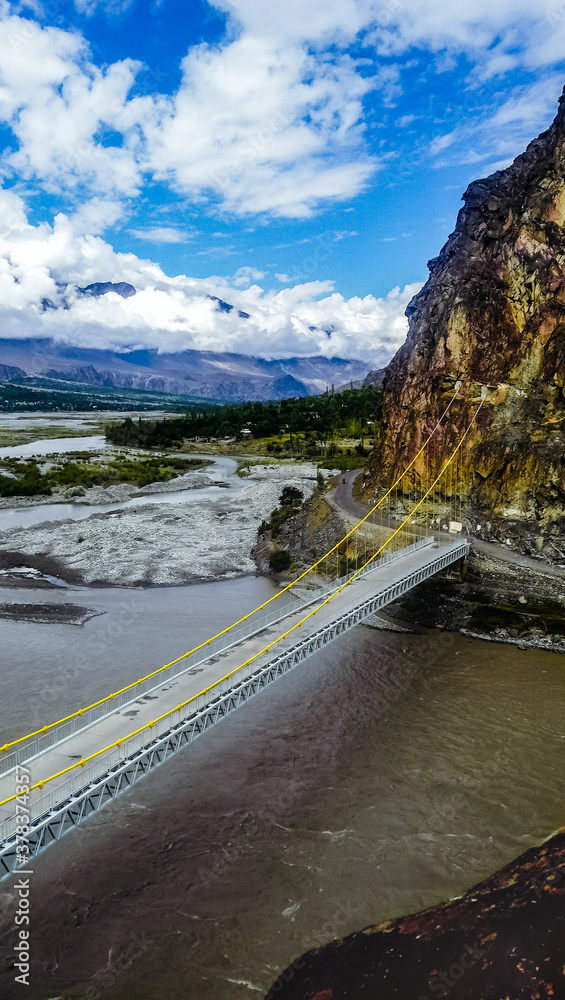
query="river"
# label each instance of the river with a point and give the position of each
(221, 470)
(387, 773)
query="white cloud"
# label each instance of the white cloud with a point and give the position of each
(176, 313)
(161, 234)
(263, 127)
(267, 121)
(404, 121)
(56, 102)
(283, 278)
(111, 7)
(95, 215)
(501, 133)
(245, 275)
(496, 37)
(225, 250)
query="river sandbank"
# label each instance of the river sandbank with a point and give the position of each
(47, 614)
(161, 544)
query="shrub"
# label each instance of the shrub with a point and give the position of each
(279, 560)
(291, 497)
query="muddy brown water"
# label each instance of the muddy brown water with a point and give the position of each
(385, 774)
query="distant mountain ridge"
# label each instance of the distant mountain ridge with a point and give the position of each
(208, 374)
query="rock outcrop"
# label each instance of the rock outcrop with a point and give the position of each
(492, 314)
(8, 372)
(313, 530)
(502, 939)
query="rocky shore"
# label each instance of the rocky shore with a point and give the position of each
(312, 530)
(494, 599)
(501, 940)
(499, 595)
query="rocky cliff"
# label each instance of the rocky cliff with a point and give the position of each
(492, 314)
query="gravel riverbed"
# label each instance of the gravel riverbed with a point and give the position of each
(162, 543)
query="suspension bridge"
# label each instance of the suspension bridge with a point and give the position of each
(55, 777)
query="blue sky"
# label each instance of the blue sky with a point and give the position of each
(301, 159)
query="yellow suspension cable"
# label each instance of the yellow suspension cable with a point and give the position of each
(319, 563)
(149, 725)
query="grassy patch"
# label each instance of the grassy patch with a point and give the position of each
(28, 478)
(344, 463)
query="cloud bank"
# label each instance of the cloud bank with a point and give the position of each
(42, 267)
(267, 122)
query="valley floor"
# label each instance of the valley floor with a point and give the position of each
(157, 543)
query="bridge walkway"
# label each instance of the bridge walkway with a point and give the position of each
(373, 588)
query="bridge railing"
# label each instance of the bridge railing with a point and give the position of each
(256, 624)
(44, 801)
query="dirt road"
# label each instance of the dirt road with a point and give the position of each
(342, 497)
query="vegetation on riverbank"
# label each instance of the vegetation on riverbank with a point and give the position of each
(20, 477)
(337, 426)
(12, 437)
(547, 617)
(290, 501)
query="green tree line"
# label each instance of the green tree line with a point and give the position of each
(351, 412)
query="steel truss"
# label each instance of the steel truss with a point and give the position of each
(71, 812)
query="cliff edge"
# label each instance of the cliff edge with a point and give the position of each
(492, 314)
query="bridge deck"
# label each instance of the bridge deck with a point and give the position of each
(374, 588)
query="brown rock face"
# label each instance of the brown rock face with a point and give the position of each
(492, 314)
(502, 940)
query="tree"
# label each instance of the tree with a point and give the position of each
(279, 560)
(291, 497)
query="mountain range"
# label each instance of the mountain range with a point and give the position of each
(206, 374)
